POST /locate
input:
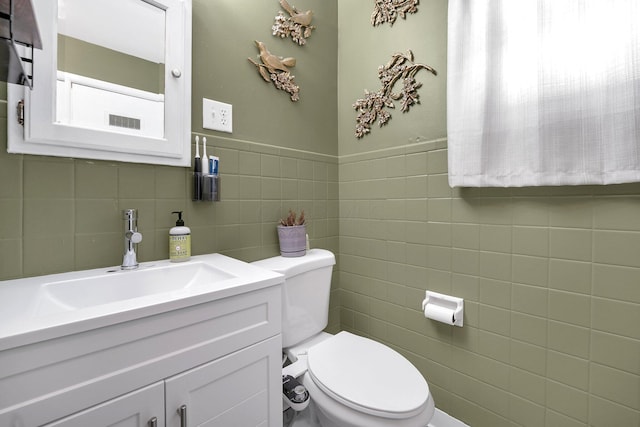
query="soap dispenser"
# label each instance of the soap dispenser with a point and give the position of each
(179, 241)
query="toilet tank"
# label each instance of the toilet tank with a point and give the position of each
(305, 295)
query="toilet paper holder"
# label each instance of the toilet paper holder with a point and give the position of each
(443, 308)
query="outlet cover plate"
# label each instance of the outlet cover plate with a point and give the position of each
(217, 115)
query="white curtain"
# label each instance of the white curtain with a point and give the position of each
(543, 92)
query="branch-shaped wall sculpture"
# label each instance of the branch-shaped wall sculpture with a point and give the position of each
(371, 107)
(275, 69)
(297, 25)
(389, 10)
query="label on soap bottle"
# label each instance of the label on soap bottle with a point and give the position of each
(180, 247)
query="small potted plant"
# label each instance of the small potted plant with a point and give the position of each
(292, 234)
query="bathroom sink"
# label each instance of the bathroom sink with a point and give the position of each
(38, 308)
(120, 285)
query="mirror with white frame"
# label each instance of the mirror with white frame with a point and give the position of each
(112, 82)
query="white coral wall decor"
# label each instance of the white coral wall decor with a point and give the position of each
(389, 10)
(275, 69)
(296, 25)
(372, 106)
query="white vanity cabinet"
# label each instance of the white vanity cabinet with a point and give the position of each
(141, 408)
(219, 360)
(231, 391)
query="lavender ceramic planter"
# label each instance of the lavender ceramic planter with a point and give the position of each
(293, 240)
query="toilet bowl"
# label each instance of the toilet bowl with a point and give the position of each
(355, 382)
(352, 380)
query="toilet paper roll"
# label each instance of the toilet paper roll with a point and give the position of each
(439, 313)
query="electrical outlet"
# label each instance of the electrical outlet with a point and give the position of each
(217, 115)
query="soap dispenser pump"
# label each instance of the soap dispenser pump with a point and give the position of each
(179, 241)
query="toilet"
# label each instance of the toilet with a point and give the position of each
(352, 381)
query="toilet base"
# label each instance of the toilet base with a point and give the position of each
(305, 418)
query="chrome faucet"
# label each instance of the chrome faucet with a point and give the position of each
(131, 239)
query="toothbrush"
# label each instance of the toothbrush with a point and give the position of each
(205, 159)
(197, 174)
(197, 164)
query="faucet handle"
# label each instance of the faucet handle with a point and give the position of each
(134, 236)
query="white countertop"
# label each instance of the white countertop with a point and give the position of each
(45, 307)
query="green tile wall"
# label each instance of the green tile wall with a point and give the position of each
(550, 277)
(63, 214)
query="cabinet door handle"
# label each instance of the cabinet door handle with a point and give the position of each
(153, 422)
(182, 411)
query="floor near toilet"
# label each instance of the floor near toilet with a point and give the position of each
(440, 419)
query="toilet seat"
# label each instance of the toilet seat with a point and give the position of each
(367, 376)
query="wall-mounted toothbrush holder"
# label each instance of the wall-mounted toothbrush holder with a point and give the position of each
(443, 308)
(211, 188)
(206, 187)
(206, 182)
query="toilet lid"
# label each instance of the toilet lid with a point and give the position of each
(367, 376)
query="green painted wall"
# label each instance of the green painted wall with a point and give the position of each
(364, 48)
(224, 32)
(550, 276)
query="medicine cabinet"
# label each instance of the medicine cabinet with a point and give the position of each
(112, 82)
